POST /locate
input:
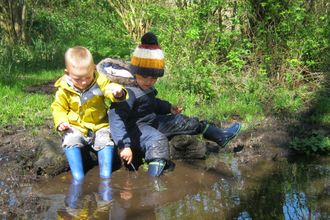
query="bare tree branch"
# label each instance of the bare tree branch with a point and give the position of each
(133, 16)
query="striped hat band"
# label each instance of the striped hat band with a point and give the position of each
(148, 60)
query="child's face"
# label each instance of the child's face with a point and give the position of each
(81, 77)
(145, 82)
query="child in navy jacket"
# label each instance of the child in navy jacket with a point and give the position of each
(144, 122)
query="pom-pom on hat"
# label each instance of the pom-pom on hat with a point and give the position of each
(148, 57)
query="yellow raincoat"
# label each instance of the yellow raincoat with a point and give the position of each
(84, 111)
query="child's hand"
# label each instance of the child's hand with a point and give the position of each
(127, 154)
(117, 91)
(176, 109)
(65, 125)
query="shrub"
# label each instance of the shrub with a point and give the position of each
(313, 145)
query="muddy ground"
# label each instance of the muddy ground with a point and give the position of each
(266, 139)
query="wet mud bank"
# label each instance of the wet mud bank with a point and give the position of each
(27, 160)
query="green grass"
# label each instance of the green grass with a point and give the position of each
(226, 104)
(22, 107)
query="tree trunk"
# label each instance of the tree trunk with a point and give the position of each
(13, 20)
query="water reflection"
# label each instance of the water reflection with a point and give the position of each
(74, 193)
(268, 190)
(217, 188)
(295, 206)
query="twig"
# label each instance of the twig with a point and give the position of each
(28, 177)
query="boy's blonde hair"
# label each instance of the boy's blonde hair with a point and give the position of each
(78, 57)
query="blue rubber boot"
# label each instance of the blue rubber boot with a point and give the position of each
(105, 156)
(74, 193)
(156, 168)
(221, 136)
(74, 157)
(104, 190)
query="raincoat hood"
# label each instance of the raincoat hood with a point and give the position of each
(116, 70)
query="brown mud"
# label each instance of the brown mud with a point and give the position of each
(268, 139)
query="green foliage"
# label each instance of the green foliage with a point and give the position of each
(287, 99)
(313, 145)
(54, 30)
(289, 35)
(193, 46)
(206, 41)
(321, 106)
(83, 23)
(227, 58)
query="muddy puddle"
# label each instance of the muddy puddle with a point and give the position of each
(220, 187)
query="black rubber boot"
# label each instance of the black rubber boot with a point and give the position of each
(156, 168)
(221, 136)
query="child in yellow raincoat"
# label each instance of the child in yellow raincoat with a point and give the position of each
(80, 112)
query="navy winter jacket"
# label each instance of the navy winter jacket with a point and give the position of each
(139, 110)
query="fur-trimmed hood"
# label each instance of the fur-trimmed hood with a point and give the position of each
(116, 70)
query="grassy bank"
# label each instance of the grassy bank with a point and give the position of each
(21, 107)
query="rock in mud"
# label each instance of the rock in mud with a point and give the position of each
(50, 158)
(187, 147)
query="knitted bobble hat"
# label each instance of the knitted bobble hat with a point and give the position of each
(148, 57)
